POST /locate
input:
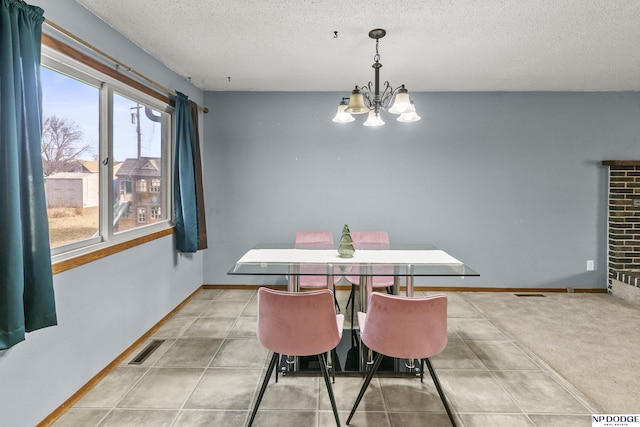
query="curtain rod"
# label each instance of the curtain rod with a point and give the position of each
(118, 63)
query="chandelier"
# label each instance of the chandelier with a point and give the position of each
(368, 99)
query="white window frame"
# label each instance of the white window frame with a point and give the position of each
(107, 236)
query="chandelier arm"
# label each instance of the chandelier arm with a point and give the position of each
(396, 90)
(368, 95)
(387, 96)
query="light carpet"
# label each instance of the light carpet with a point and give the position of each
(592, 340)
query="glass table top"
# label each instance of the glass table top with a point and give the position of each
(368, 260)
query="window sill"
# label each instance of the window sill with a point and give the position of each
(105, 251)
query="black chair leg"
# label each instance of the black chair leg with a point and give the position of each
(350, 300)
(367, 380)
(335, 299)
(265, 382)
(327, 381)
(353, 303)
(330, 361)
(440, 391)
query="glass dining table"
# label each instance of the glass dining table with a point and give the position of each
(397, 260)
(402, 261)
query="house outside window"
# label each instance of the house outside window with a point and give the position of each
(142, 171)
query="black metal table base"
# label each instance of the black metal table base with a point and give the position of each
(347, 359)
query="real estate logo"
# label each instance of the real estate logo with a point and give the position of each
(615, 420)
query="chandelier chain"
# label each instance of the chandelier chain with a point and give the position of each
(376, 57)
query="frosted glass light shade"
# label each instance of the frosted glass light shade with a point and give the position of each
(402, 103)
(342, 116)
(374, 119)
(411, 116)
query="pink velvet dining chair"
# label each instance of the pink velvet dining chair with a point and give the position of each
(315, 240)
(284, 328)
(373, 240)
(405, 328)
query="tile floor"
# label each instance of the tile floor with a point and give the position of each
(210, 366)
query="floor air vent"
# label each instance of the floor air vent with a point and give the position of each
(142, 356)
(529, 295)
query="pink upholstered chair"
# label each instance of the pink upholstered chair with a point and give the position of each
(284, 327)
(315, 240)
(373, 240)
(406, 328)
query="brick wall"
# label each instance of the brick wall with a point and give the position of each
(624, 220)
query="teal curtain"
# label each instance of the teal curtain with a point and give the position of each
(26, 282)
(202, 223)
(187, 181)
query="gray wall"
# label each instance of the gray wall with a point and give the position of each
(510, 183)
(104, 306)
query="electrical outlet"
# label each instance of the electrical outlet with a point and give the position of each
(590, 265)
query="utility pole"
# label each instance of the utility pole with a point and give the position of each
(135, 118)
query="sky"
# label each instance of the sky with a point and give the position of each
(70, 99)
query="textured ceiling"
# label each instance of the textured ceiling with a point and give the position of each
(431, 45)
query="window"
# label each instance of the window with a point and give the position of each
(141, 186)
(125, 186)
(142, 215)
(156, 212)
(70, 148)
(101, 137)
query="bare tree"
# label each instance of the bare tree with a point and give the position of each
(61, 145)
